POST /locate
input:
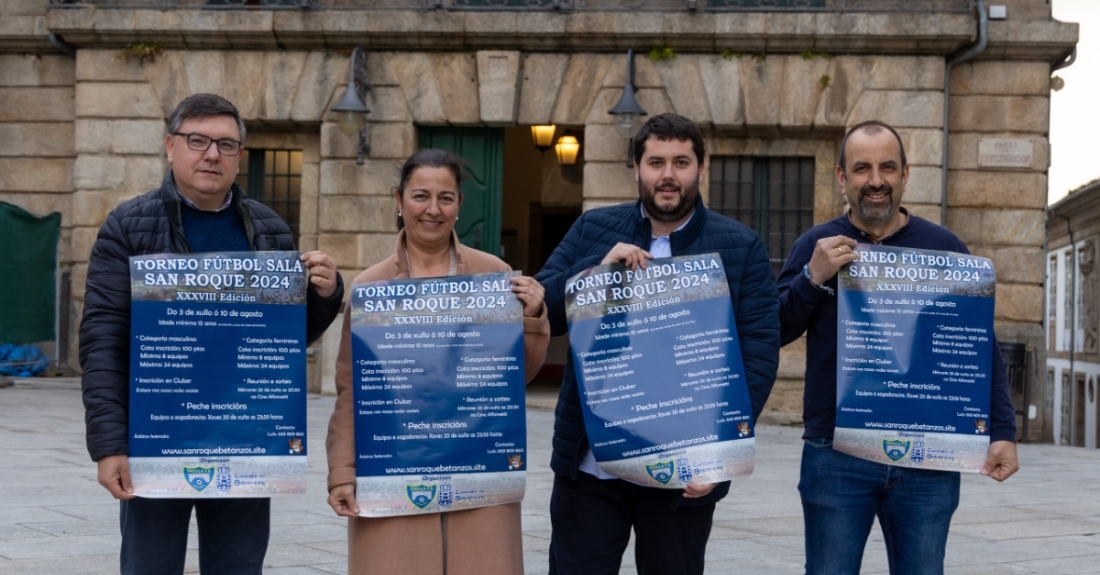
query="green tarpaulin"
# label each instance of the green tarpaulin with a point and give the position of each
(28, 263)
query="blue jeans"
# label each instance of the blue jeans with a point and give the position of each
(841, 495)
(233, 535)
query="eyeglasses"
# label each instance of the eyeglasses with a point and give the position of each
(201, 143)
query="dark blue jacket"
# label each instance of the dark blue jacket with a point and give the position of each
(152, 223)
(752, 289)
(805, 309)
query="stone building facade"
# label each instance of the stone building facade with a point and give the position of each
(1072, 322)
(82, 132)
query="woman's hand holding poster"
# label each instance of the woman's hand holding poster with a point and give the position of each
(914, 356)
(438, 385)
(218, 374)
(659, 366)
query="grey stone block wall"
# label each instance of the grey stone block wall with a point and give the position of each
(80, 136)
(37, 136)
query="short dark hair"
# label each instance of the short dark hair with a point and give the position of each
(203, 106)
(428, 158)
(871, 127)
(667, 127)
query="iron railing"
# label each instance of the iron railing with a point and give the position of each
(958, 6)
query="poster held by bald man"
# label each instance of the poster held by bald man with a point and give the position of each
(842, 494)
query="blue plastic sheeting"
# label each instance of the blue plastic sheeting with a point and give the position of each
(22, 360)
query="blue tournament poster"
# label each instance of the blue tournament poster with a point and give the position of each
(218, 374)
(914, 358)
(658, 362)
(438, 387)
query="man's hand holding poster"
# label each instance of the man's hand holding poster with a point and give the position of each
(914, 356)
(659, 365)
(438, 375)
(217, 375)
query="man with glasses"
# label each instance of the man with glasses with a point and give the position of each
(197, 208)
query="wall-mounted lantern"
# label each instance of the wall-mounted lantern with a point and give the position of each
(543, 136)
(567, 150)
(352, 111)
(628, 112)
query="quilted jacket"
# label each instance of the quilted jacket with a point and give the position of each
(152, 224)
(752, 289)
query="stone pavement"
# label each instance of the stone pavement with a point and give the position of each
(56, 520)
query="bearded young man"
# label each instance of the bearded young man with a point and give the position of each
(842, 494)
(592, 513)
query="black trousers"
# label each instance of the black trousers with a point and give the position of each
(592, 519)
(233, 535)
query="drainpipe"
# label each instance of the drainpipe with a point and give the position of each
(958, 58)
(1048, 285)
(61, 45)
(1065, 63)
(1072, 289)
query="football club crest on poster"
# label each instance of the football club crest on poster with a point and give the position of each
(445, 495)
(683, 469)
(420, 495)
(980, 426)
(895, 449)
(662, 471)
(224, 481)
(198, 477)
(515, 461)
(743, 429)
(917, 456)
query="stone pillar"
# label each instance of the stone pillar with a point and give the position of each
(356, 207)
(36, 142)
(999, 212)
(119, 144)
(592, 85)
(355, 214)
(907, 93)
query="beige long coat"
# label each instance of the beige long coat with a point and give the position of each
(485, 541)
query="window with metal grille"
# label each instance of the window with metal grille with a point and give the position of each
(274, 178)
(774, 196)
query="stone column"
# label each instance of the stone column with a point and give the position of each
(36, 142)
(906, 92)
(355, 217)
(592, 85)
(999, 212)
(119, 144)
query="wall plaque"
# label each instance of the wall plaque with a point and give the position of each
(1006, 152)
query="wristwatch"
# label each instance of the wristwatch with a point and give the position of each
(817, 286)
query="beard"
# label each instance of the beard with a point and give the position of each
(675, 211)
(877, 213)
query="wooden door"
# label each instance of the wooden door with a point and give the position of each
(482, 149)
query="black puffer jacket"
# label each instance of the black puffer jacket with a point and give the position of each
(153, 224)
